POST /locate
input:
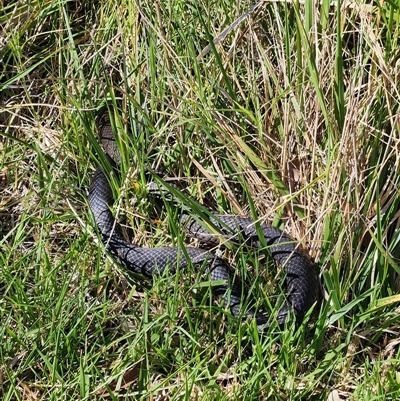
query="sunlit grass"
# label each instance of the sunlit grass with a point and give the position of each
(292, 119)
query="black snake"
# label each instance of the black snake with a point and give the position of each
(301, 276)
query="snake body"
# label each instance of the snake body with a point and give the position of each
(301, 276)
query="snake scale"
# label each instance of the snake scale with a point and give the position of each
(302, 283)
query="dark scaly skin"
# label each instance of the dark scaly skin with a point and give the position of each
(301, 276)
(150, 261)
(303, 287)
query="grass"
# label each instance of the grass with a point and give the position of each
(291, 117)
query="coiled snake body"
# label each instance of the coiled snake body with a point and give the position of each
(301, 277)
